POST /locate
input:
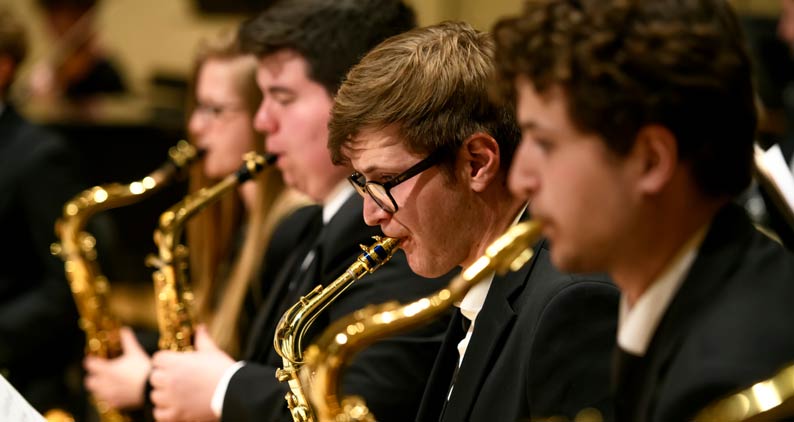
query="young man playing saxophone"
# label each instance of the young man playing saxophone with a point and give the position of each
(637, 134)
(430, 153)
(304, 48)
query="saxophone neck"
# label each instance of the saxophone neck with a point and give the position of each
(78, 210)
(174, 219)
(296, 321)
(173, 295)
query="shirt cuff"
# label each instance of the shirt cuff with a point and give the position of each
(220, 390)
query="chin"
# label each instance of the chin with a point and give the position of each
(562, 261)
(424, 267)
(572, 262)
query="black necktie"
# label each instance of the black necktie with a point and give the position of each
(306, 274)
(465, 323)
(260, 341)
(626, 375)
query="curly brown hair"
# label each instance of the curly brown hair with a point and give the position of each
(624, 64)
(433, 84)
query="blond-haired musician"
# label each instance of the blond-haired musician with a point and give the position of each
(431, 154)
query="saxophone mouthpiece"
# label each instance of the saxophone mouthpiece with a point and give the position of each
(253, 163)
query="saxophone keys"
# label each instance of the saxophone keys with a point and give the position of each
(283, 376)
(521, 259)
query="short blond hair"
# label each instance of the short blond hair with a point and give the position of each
(431, 83)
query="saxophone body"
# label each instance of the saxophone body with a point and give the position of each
(297, 319)
(173, 296)
(328, 356)
(77, 248)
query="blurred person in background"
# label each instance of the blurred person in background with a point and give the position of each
(39, 336)
(76, 68)
(227, 241)
(304, 48)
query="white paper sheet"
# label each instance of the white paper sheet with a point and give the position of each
(14, 407)
(775, 166)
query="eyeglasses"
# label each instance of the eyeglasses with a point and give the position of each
(215, 110)
(381, 192)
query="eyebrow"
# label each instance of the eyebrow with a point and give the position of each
(279, 90)
(534, 126)
(368, 170)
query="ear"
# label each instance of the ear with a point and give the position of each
(480, 155)
(655, 154)
(7, 68)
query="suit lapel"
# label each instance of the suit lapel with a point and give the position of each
(717, 258)
(342, 232)
(259, 341)
(491, 328)
(435, 396)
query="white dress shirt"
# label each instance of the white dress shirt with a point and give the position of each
(637, 324)
(471, 305)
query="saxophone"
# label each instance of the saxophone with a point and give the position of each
(297, 319)
(767, 400)
(77, 249)
(173, 297)
(325, 359)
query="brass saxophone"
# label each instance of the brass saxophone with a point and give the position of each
(326, 358)
(297, 319)
(768, 400)
(77, 249)
(173, 296)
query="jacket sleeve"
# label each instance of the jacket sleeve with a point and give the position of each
(254, 394)
(38, 313)
(390, 374)
(570, 364)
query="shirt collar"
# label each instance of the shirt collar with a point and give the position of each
(336, 199)
(637, 325)
(471, 304)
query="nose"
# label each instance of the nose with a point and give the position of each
(374, 215)
(523, 179)
(264, 121)
(197, 123)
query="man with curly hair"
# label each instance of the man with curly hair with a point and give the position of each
(638, 121)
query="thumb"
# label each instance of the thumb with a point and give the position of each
(129, 342)
(204, 342)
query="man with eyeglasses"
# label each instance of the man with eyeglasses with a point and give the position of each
(430, 152)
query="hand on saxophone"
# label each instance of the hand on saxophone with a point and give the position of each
(119, 382)
(184, 382)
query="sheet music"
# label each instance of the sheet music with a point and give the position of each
(777, 168)
(14, 407)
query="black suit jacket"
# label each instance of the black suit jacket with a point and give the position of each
(38, 319)
(540, 348)
(729, 325)
(390, 375)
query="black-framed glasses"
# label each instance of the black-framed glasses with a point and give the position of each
(381, 192)
(215, 110)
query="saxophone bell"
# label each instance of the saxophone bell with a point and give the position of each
(77, 248)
